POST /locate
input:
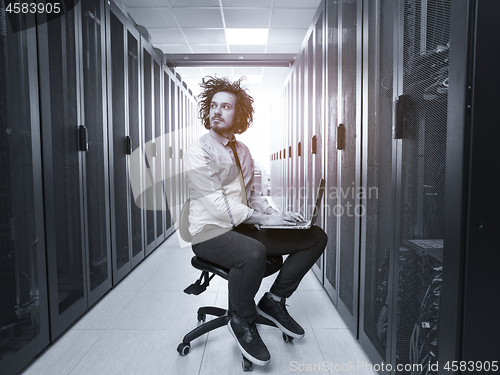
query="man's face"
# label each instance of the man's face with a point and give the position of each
(222, 111)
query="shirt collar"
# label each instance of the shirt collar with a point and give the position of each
(220, 138)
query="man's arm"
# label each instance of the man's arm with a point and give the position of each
(206, 180)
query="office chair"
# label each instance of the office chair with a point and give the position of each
(199, 286)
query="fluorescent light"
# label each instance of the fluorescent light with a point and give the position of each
(246, 36)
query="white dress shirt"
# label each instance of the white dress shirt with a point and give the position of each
(214, 186)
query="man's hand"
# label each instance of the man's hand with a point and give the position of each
(284, 218)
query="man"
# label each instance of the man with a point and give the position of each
(224, 212)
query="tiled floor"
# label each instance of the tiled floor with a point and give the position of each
(136, 327)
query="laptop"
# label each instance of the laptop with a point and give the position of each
(304, 224)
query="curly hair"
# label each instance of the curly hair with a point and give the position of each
(244, 102)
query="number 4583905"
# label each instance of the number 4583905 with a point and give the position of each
(33, 8)
(471, 366)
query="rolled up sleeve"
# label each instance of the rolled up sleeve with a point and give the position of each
(210, 193)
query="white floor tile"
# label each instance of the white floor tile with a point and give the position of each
(104, 312)
(64, 354)
(162, 310)
(142, 352)
(342, 352)
(320, 310)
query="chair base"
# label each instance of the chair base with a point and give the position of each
(223, 317)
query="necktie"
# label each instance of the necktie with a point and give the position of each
(232, 145)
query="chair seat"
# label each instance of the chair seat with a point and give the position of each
(273, 265)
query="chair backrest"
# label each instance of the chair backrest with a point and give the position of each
(184, 222)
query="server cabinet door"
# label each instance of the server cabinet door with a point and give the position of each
(347, 182)
(332, 49)
(182, 142)
(377, 190)
(136, 167)
(63, 162)
(309, 121)
(24, 325)
(318, 127)
(421, 129)
(159, 160)
(150, 148)
(167, 165)
(173, 152)
(96, 158)
(302, 132)
(118, 130)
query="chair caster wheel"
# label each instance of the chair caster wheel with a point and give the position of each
(287, 338)
(183, 348)
(202, 317)
(247, 365)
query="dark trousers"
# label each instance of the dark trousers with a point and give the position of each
(244, 251)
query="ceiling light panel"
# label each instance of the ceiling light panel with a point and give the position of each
(246, 36)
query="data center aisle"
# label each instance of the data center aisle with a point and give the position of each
(136, 327)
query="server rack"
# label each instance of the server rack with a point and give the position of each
(318, 124)
(97, 220)
(377, 226)
(136, 142)
(159, 140)
(332, 147)
(167, 82)
(150, 146)
(151, 89)
(24, 324)
(120, 141)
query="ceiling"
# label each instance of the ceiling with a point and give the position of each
(193, 29)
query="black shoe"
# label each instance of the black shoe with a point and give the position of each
(249, 341)
(276, 312)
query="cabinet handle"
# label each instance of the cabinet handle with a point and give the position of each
(299, 149)
(398, 120)
(341, 137)
(313, 145)
(289, 151)
(153, 149)
(83, 142)
(128, 145)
